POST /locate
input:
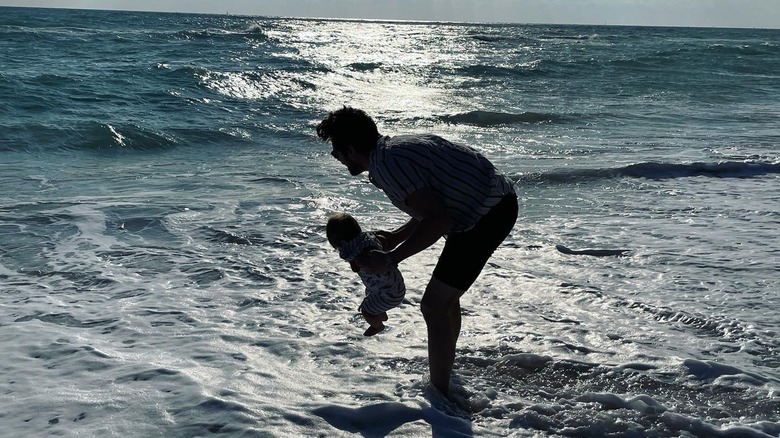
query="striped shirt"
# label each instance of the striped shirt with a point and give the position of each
(466, 181)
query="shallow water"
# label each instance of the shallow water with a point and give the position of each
(165, 272)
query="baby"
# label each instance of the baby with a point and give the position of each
(383, 290)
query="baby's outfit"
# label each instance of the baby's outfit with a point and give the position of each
(385, 290)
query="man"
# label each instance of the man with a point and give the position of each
(448, 190)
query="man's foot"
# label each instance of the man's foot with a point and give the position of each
(455, 405)
(371, 331)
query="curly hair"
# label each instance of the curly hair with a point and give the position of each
(349, 126)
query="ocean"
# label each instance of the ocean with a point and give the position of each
(165, 273)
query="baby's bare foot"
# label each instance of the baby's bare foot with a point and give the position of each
(371, 331)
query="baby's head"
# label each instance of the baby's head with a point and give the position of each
(341, 228)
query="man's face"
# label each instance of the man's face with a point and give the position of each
(347, 157)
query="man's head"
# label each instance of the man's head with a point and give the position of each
(353, 135)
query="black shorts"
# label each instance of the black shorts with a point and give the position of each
(466, 253)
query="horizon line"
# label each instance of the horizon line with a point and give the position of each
(393, 20)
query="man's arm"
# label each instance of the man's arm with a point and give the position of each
(435, 223)
(395, 238)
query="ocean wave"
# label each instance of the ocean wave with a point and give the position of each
(254, 32)
(23, 35)
(131, 137)
(708, 370)
(94, 136)
(216, 235)
(487, 38)
(184, 71)
(196, 34)
(491, 118)
(52, 79)
(255, 85)
(728, 169)
(67, 320)
(365, 66)
(578, 37)
(545, 68)
(654, 171)
(739, 49)
(490, 71)
(718, 56)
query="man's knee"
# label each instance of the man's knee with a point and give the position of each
(438, 299)
(431, 309)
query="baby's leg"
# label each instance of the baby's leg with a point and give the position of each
(375, 321)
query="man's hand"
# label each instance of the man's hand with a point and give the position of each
(391, 239)
(384, 238)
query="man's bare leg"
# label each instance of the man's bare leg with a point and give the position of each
(441, 309)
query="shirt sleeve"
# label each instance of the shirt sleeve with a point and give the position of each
(406, 168)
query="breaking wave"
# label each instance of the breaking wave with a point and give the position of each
(655, 171)
(491, 118)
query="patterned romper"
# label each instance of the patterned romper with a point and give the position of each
(384, 291)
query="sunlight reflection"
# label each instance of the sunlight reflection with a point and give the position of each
(251, 85)
(377, 65)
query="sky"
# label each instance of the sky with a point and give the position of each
(699, 13)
